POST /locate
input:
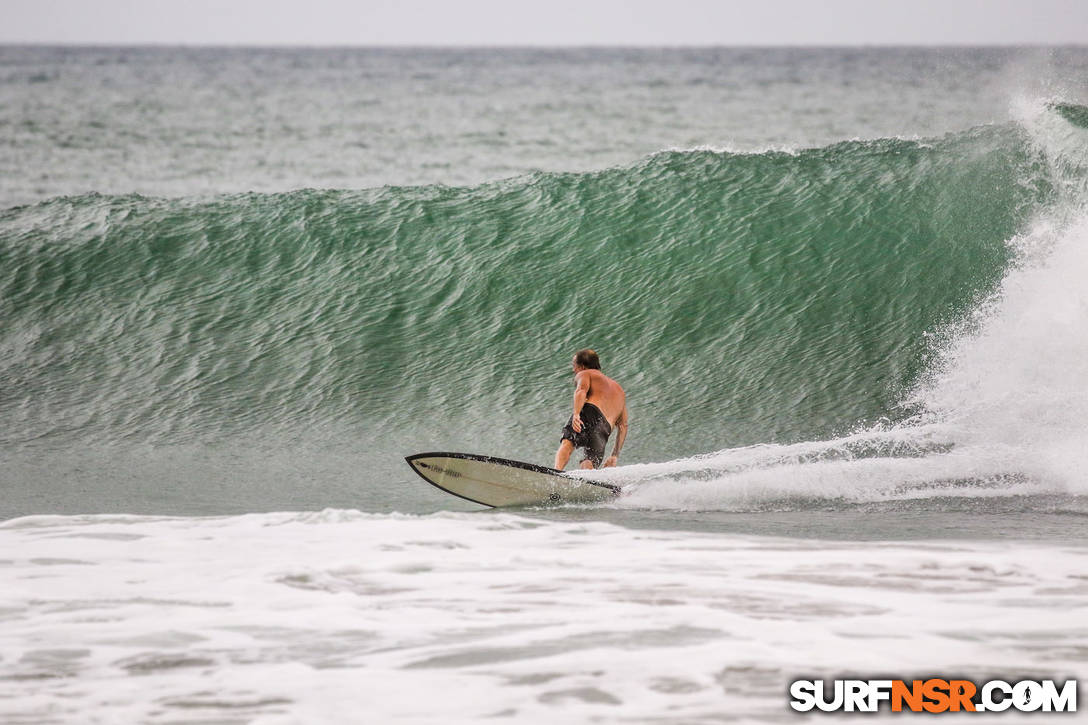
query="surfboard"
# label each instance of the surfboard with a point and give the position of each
(500, 482)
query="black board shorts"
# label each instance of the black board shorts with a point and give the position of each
(593, 436)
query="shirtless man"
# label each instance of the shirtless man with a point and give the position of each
(599, 404)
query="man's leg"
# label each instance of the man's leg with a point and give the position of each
(587, 464)
(563, 454)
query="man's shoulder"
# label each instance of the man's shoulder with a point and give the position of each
(598, 375)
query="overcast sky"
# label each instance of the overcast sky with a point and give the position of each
(545, 22)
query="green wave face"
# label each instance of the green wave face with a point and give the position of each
(739, 298)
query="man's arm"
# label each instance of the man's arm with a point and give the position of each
(621, 436)
(581, 392)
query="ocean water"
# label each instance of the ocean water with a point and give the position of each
(844, 289)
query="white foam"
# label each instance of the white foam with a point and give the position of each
(344, 617)
(1021, 380)
(1016, 376)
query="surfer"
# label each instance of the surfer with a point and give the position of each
(599, 404)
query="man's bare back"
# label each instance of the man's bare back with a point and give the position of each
(605, 393)
(599, 405)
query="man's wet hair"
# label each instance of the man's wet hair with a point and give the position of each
(587, 359)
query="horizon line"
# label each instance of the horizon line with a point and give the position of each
(525, 46)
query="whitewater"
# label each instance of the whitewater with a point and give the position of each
(346, 616)
(843, 288)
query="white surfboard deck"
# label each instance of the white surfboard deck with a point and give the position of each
(500, 482)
